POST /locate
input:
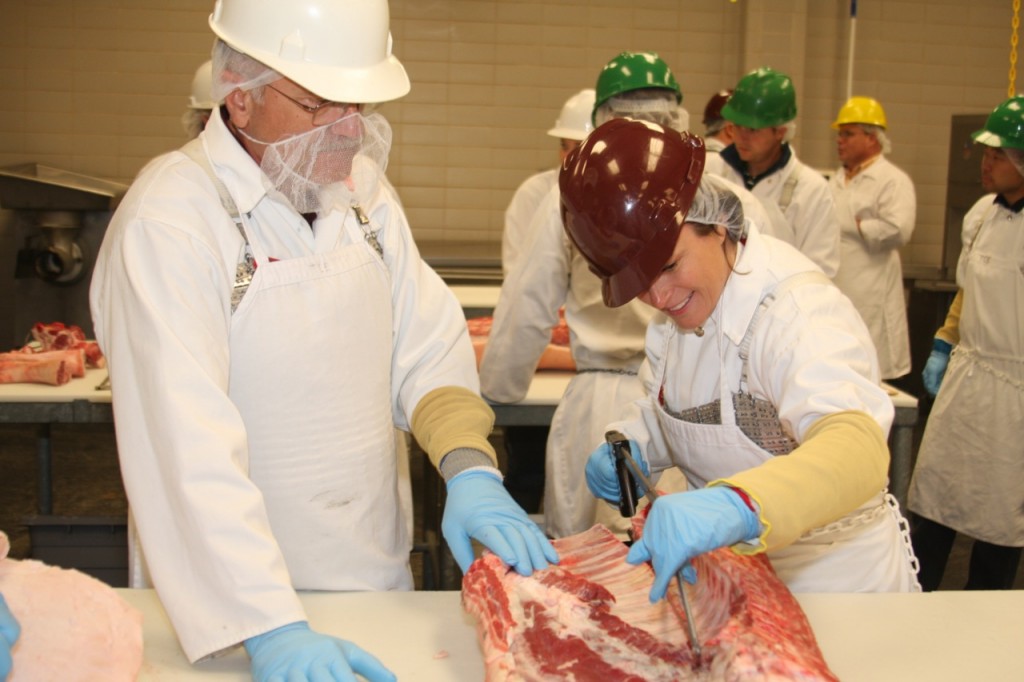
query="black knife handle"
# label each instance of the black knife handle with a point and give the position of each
(627, 484)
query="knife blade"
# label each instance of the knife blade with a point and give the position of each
(628, 472)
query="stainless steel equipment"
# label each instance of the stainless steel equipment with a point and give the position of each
(52, 222)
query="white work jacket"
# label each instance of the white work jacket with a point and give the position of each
(160, 300)
(525, 202)
(809, 221)
(876, 211)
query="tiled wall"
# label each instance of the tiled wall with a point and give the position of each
(98, 86)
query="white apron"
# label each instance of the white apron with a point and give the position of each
(970, 473)
(866, 551)
(310, 347)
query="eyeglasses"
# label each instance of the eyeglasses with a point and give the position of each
(327, 111)
(849, 132)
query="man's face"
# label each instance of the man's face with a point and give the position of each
(854, 145)
(756, 146)
(999, 175)
(288, 110)
(566, 146)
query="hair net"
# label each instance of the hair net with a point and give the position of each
(1016, 157)
(235, 70)
(648, 104)
(716, 204)
(790, 133)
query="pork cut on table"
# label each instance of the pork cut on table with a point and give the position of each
(588, 618)
(557, 354)
(60, 336)
(74, 628)
(27, 369)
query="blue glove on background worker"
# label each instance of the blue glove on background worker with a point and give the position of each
(479, 507)
(600, 472)
(935, 367)
(684, 525)
(9, 632)
(294, 652)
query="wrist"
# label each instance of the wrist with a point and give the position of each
(478, 472)
(463, 459)
(256, 640)
(941, 346)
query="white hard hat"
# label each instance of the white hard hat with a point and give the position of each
(337, 49)
(574, 122)
(202, 86)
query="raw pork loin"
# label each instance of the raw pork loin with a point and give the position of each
(589, 618)
(557, 355)
(74, 628)
(59, 336)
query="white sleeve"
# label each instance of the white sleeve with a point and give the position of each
(889, 222)
(812, 214)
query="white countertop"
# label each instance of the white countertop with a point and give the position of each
(426, 637)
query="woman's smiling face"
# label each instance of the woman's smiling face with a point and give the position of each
(692, 281)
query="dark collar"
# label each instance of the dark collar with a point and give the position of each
(1015, 208)
(732, 157)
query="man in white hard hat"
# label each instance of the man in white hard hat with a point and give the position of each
(572, 126)
(268, 322)
(876, 207)
(200, 101)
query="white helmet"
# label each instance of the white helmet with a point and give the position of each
(202, 88)
(574, 122)
(337, 49)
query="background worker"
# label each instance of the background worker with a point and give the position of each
(524, 445)
(755, 355)
(717, 134)
(200, 101)
(762, 116)
(876, 207)
(606, 344)
(268, 322)
(969, 475)
(572, 125)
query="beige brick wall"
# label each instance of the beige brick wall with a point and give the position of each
(98, 86)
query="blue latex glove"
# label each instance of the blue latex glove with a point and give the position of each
(9, 632)
(683, 525)
(294, 652)
(935, 367)
(480, 508)
(600, 471)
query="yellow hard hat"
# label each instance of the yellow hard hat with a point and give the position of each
(861, 110)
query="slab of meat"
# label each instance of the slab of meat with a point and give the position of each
(74, 628)
(557, 355)
(59, 336)
(74, 358)
(589, 618)
(28, 369)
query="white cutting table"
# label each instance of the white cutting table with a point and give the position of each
(426, 637)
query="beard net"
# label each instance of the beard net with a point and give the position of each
(349, 155)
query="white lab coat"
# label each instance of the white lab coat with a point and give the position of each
(527, 199)
(969, 474)
(882, 198)
(809, 222)
(809, 356)
(161, 308)
(551, 274)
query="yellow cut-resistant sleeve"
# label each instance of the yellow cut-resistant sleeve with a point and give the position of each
(843, 462)
(453, 417)
(950, 331)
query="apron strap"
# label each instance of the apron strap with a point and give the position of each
(780, 290)
(244, 271)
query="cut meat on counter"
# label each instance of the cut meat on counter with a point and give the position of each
(557, 355)
(589, 619)
(59, 336)
(74, 628)
(25, 368)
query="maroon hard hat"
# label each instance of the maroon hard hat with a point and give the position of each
(625, 193)
(713, 109)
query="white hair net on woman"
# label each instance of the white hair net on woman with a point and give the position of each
(716, 204)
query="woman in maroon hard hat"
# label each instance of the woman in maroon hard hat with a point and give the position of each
(761, 380)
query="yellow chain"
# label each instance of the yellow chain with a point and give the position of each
(1012, 89)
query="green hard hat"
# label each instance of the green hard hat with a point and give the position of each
(763, 98)
(634, 71)
(1005, 125)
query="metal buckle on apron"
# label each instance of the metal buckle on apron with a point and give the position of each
(368, 234)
